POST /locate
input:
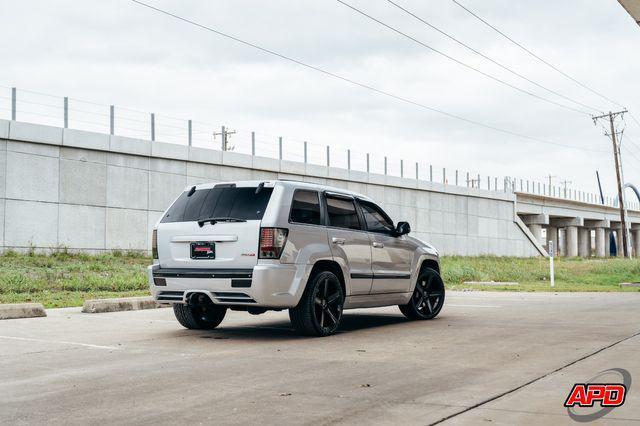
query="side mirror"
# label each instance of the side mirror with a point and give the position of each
(403, 228)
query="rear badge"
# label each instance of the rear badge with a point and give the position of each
(248, 254)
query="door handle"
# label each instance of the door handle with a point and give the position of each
(378, 245)
(335, 240)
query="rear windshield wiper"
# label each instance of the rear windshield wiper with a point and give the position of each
(214, 220)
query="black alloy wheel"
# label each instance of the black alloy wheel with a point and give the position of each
(428, 297)
(320, 309)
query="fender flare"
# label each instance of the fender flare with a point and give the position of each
(417, 266)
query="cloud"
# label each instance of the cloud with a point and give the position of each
(123, 54)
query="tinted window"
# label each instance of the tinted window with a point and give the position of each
(342, 213)
(375, 218)
(247, 204)
(194, 204)
(176, 211)
(305, 207)
(241, 203)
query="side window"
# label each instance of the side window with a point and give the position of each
(375, 218)
(305, 207)
(342, 213)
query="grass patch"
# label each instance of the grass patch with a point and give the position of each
(532, 274)
(64, 279)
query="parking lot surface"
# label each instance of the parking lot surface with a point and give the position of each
(489, 358)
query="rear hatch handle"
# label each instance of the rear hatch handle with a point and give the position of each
(214, 238)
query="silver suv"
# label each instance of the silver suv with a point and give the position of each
(271, 245)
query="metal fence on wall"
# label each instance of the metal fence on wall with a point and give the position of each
(42, 108)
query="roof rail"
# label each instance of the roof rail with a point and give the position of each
(292, 180)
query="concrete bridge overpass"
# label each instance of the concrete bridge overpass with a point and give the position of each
(577, 228)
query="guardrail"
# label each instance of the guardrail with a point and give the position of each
(43, 108)
(553, 191)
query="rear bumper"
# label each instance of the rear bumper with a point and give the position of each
(269, 286)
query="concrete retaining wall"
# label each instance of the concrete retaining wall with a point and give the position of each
(95, 192)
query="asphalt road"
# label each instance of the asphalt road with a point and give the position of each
(490, 358)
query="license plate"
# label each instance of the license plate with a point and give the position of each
(203, 250)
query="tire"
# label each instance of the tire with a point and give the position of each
(202, 316)
(320, 309)
(427, 298)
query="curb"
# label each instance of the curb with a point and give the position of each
(22, 310)
(492, 283)
(97, 306)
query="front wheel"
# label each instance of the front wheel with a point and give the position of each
(200, 314)
(428, 297)
(320, 309)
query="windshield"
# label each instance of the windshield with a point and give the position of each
(238, 203)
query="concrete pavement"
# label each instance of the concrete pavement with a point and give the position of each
(471, 365)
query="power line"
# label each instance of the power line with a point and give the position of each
(626, 145)
(362, 85)
(496, 79)
(504, 67)
(631, 143)
(536, 56)
(632, 153)
(635, 120)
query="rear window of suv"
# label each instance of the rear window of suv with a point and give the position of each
(239, 203)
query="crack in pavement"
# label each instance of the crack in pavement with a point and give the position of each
(510, 391)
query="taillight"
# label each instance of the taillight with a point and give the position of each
(272, 241)
(154, 244)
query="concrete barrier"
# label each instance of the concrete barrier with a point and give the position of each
(493, 283)
(99, 192)
(22, 310)
(97, 306)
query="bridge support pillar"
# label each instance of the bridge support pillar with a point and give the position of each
(570, 227)
(602, 238)
(607, 242)
(571, 241)
(601, 242)
(619, 242)
(536, 230)
(636, 242)
(552, 235)
(584, 242)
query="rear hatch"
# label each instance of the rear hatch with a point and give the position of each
(227, 240)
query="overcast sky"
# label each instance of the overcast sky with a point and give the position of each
(117, 52)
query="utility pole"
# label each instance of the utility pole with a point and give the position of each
(473, 182)
(224, 133)
(565, 183)
(550, 176)
(616, 157)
